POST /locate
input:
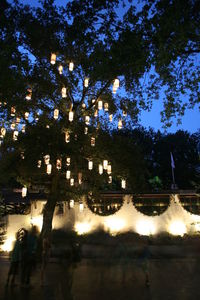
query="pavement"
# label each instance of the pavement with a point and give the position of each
(101, 279)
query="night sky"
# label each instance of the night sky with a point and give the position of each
(191, 120)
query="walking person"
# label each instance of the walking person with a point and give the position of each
(15, 260)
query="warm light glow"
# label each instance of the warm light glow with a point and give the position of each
(96, 113)
(47, 159)
(86, 82)
(145, 227)
(67, 137)
(71, 66)
(49, 169)
(39, 163)
(106, 106)
(64, 92)
(100, 169)
(90, 164)
(56, 114)
(80, 175)
(123, 183)
(24, 191)
(18, 120)
(100, 104)
(26, 115)
(110, 117)
(58, 163)
(53, 58)
(8, 245)
(92, 141)
(177, 228)
(60, 69)
(82, 228)
(3, 132)
(109, 179)
(37, 221)
(12, 112)
(29, 94)
(71, 116)
(109, 169)
(120, 124)
(86, 130)
(68, 161)
(87, 120)
(72, 181)
(68, 174)
(114, 225)
(105, 164)
(15, 135)
(23, 128)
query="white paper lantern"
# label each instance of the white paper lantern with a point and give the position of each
(68, 174)
(58, 163)
(56, 113)
(105, 164)
(12, 111)
(60, 69)
(71, 181)
(23, 128)
(24, 191)
(110, 117)
(64, 92)
(81, 207)
(3, 132)
(49, 169)
(80, 175)
(123, 183)
(110, 179)
(109, 169)
(86, 82)
(71, 66)
(39, 163)
(100, 105)
(100, 169)
(46, 159)
(26, 115)
(86, 130)
(96, 113)
(53, 58)
(87, 120)
(68, 161)
(15, 135)
(67, 136)
(29, 94)
(90, 164)
(106, 105)
(119, 124)
(92, 141)
(71, 116)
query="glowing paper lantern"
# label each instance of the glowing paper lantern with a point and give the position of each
(53, 58)
(71, 66)
(96, 113)
(72, 181)
(3, 132)
(26, 115)
(92, 141)
(105, 164)
(90, 164)
(109, 169)
(124, 113)
(12, 111)
(68, 174)
(24, 191)
(58, 163)
(110, 117)
(86, 82)
(87, 120)
(23, 128)
(68, 161)
(15, 135)
(115, 85)
(119, 124)
(64, 92)
(67, 137)
(123, 183)
(86, 130)
(93, 101)
(49, 169)
(56, 113)
(83, 105)
(39, 163)
(100, 169)
(71, 116)
(60, 69)
(46, 159)
(80, 175)
(110, 179)
(12, 126)
(29, 94)
(100, 105)
(106, 106)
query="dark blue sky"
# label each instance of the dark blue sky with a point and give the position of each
(191, 120)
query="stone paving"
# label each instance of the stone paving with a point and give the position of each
(170, 279)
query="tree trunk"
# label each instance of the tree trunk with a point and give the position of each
(50, 206)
